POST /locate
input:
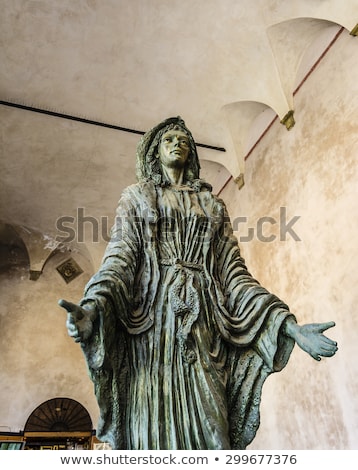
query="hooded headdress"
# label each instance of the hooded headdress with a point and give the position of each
(148, 164)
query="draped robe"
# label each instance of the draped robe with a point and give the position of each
(185, 337)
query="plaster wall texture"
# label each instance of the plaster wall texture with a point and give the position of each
(39, 361)
(312, 172)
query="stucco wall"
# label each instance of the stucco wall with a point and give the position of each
(311, 172)
(38, 359)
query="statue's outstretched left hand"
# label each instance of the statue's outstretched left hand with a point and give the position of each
(311, 339)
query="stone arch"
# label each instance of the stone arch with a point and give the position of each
(36, 246)
(13, 251)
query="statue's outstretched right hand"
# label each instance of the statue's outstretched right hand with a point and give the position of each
(79, 321)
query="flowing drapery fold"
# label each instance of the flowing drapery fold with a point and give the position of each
(185, 336)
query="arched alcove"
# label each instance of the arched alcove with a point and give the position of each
(13, 252)
(27, 248)
(59, 415)
(59, 424)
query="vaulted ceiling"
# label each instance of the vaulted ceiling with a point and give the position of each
(227, 67)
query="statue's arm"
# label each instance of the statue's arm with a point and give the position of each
(310, 338)
(110, 288)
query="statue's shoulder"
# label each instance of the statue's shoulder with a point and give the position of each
(140, 196)
(216, 200)
(139, 190)
(219, 201)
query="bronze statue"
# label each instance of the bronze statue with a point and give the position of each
(178, 336)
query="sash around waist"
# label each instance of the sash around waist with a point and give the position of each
(178, 263)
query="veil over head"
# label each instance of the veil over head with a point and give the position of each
(148, 166)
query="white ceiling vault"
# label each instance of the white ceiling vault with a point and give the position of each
(228, 67)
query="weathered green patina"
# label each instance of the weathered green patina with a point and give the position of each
(178, 336)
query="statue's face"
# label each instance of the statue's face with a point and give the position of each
(174, 149)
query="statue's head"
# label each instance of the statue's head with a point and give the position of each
(149, 167)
